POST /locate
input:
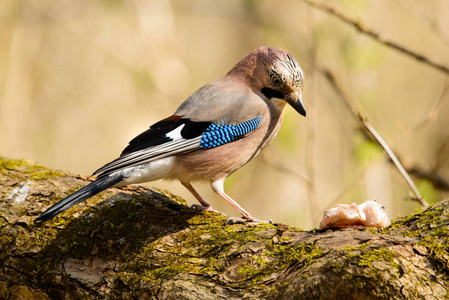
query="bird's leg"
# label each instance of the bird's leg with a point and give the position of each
(204, 205)
(246, 215)
(217, 186)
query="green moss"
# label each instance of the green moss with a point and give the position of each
(430, 227)
(279, 258)
(14, 164)
(210, 246)
(254, 268)
(34, 172)
(437, 242)
(165, 272)
(372, 262)
(45, 174)
(367, 258)
(304, 252)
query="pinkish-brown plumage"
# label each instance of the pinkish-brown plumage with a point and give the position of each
(216, 131)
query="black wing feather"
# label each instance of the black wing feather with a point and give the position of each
(157, 134)
(193, 129)
(150, 140)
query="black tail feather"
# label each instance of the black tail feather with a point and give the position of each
(82, 194)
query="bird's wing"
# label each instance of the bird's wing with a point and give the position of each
(177, 135)
(216, 114)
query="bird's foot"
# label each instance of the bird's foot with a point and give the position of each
(249, 219)
(200, 207)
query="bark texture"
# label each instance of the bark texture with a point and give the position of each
(146, 244)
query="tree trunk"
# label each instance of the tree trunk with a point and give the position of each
(137, 243)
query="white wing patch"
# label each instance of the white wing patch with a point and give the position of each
(175, 134)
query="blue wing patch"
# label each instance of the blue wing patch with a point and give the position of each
(217, 135)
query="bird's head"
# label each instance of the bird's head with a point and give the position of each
(273, 73)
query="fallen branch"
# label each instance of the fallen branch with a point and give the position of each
(148, 245)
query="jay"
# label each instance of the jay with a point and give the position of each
(215, 131)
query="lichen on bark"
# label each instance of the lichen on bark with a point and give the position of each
(144, 244)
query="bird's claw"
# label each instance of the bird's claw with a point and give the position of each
(199, 207)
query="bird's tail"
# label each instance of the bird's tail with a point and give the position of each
(82, 194)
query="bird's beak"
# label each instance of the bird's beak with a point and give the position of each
(294, 99)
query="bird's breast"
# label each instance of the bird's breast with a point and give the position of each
(221, 161)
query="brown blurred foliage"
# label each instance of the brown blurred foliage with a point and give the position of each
(79, 79)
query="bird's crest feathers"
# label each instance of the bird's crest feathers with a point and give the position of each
(266, 65)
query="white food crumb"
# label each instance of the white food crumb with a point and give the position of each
(368, 214)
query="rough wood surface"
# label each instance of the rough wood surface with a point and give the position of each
(146, 244)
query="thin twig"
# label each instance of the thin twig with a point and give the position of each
(394, 158)
(428, 19)
(360, 27)
(357, 114)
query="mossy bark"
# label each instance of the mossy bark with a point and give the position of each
(143, 244)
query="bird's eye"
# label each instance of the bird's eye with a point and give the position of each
(276, 81)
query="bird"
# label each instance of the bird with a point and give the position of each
(213, 133)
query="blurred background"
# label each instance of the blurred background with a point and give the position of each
(80, 79)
